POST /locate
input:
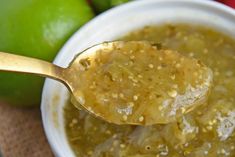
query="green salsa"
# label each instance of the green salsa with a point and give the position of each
(136, 83)
(209, 130)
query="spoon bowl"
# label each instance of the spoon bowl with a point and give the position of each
(138, 83)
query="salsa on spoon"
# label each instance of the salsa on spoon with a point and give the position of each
(126, 82)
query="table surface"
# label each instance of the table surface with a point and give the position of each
(21, 133)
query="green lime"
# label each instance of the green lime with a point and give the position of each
(37, 29)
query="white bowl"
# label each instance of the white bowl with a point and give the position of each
(111, 25)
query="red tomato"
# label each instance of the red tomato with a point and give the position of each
(230, 3)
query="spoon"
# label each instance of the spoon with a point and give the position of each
(126, 82)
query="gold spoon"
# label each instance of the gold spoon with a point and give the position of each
(80, 72)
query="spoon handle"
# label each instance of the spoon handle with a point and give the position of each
(21, 64)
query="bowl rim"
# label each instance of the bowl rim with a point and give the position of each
(59, 57)
(132, 4)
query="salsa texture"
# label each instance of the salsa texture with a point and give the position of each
(207, 131)
(137, 83)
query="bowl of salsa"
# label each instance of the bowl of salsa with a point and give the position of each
(200, 29)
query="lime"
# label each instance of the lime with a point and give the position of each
(37, 29)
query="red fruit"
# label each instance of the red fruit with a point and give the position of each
(230, 3)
